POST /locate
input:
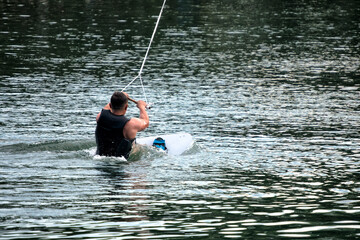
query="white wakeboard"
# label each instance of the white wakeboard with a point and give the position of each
(176, 144)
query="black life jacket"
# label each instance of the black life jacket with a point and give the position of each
(109, 135)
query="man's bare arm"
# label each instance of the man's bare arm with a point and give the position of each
(137, 124)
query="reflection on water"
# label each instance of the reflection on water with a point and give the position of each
(269, 90)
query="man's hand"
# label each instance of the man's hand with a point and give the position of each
(141, 104)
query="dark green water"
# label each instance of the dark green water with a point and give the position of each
(270, 90)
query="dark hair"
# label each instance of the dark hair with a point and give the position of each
(118, 100)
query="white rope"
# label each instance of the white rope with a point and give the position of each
(130, 83)
(146, 54)
(142, 85)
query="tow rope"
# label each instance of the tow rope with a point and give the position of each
(146, 54)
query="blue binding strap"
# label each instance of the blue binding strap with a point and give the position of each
(159, 143)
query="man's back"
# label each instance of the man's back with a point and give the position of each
(109, 135)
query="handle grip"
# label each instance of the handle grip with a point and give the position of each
(130, 99)
(148, 106)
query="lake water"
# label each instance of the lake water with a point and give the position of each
(269, 90)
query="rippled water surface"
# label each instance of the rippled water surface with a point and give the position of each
(269, 90)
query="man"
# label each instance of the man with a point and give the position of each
(116, 133)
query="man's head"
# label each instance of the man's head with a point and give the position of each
(118, 101)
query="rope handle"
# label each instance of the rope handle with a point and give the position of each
(133, 100)
(148, 106)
